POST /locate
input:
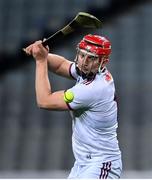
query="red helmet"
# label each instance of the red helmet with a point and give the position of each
(96, 44)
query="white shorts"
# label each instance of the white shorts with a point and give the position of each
(107, 170)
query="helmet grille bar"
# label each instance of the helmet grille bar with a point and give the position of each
(91, 42)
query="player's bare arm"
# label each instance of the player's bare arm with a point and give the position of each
(59, 65)
(45, 97)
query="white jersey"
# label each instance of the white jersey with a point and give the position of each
(94, 111)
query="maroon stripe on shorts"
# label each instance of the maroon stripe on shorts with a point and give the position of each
(105, 170)
(102, 171)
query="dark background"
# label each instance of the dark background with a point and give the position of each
(32, 139)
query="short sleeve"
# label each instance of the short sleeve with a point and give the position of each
(82, 97)
(72, 71)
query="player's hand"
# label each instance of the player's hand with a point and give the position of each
(38, 51)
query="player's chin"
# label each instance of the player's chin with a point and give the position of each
(85, 70)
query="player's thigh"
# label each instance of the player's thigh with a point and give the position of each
(84, 171)
(74, 171)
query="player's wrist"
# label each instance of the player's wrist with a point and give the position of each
(41, 61)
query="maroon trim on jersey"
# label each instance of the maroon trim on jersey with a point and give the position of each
(86, 82)
(70, 108)
(105, 170)
(70, 71)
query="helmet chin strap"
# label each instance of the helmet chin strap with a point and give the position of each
(100, 66)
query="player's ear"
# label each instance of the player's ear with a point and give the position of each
(105, 60)
(100, 60)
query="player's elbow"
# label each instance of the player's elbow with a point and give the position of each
(42, 103)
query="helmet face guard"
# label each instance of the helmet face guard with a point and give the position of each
(96, 47)
(84, 56)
